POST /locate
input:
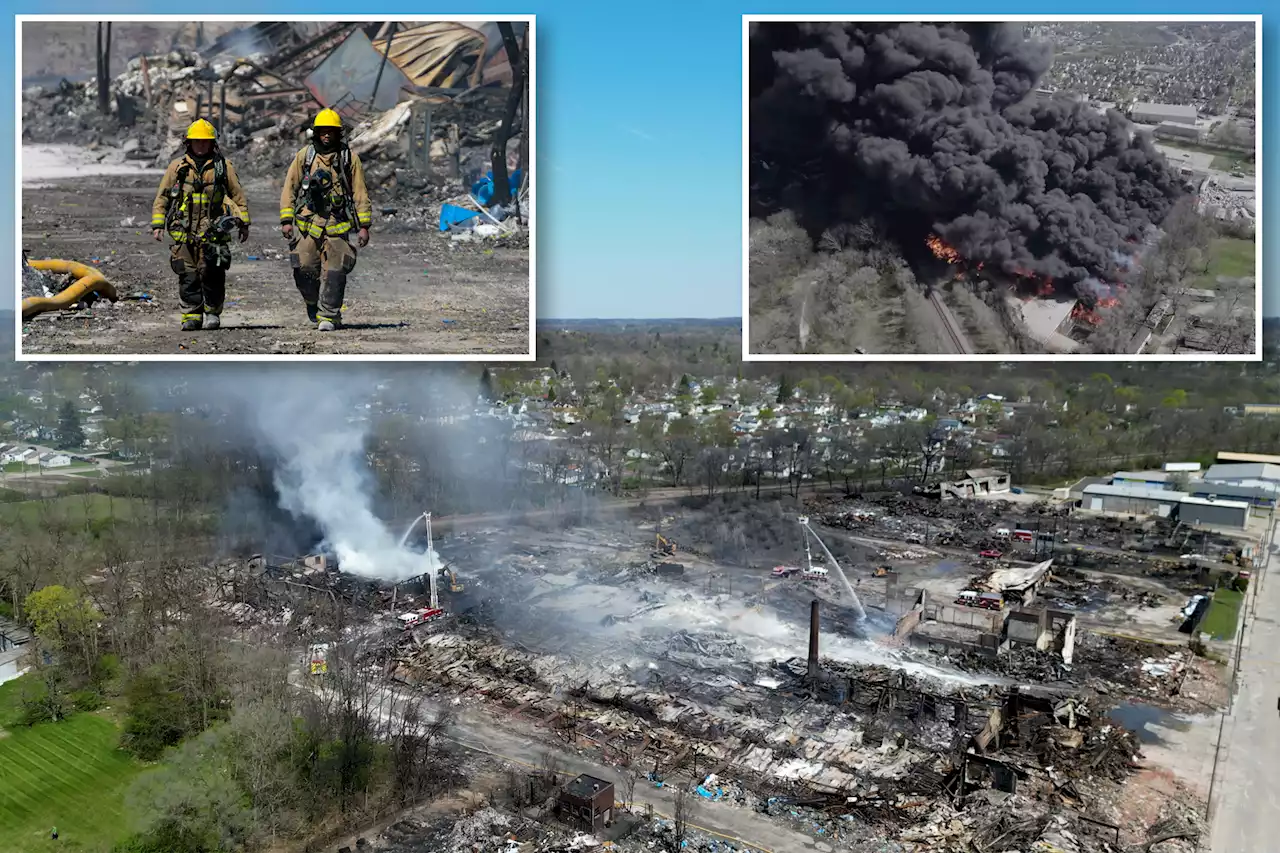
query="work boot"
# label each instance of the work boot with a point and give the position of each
(312, 314)
(326, 325)
(211, 322)
(191, 325)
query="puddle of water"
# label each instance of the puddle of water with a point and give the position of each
(1143, 719)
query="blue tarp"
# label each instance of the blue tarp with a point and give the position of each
(451, 214)
(483, 188)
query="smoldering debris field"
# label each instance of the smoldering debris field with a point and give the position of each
(89, 178)
(588, 642)
(914, 189)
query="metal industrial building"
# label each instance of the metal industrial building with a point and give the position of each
(1263, 475)
(1131, 499)
(1225, 456)
(1176, 130)
(1213, 513)
(1137, 500)
(1154, 479)
(1257, 483)
(1146, 113)
(1256, 496)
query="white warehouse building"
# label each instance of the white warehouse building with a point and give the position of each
(1148, 113)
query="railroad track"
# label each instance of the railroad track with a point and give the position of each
(959, 343)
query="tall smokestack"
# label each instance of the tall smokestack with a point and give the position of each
(814, 670)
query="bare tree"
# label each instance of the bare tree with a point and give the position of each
(550, 770)
(627, 777)
(679, 819)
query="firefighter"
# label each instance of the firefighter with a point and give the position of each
(199, 201)
(324, 197)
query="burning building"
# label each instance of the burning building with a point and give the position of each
(929, 132)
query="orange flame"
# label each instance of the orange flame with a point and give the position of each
(1084, 315)
(941, 250)
(1108, 302)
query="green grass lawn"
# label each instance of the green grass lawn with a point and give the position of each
(69, 774)
(1229, 257)
(73, 508)
(1232, 162)
(20, 468)
(1223, 616)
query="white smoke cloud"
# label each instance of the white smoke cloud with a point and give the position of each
(318, 431)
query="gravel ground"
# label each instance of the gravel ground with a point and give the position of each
(413, 292)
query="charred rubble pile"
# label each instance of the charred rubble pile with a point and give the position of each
(309, 595)
(40, 283)
(1076, 589)
(1117, 665)
(262, 110)
(891, 752)
(483, 830)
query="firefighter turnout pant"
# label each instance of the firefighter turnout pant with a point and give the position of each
(320, 269)
(202, 277)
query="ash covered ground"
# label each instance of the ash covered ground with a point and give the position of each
(89, 180)
(588, 649)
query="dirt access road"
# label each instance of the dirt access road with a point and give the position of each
(413, 292)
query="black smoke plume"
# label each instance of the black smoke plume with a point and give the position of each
(937, 128)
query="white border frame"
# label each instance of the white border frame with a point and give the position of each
(747, 356)
(530, 356)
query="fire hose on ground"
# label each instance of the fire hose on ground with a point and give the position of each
(88, 280)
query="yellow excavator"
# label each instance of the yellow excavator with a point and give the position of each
(454, 586)
(666, 546)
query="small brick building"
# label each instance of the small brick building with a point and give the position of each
(587, 802)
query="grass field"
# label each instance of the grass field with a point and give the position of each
(1229, 257)
(1231, 162)
(69, 774)
(23, 468)
(73, 508)
(1223, 616)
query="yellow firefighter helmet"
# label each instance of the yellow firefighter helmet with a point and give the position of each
(201, 129)
(327, 118)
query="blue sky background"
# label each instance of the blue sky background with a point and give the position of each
(639, 143)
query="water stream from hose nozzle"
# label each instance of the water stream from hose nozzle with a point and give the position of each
(859, 613)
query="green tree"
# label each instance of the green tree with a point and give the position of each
(70, 433)
(157, 717)
(786, 390)
(709, 395)
(551, 393)
(66, 622)
(718, 432)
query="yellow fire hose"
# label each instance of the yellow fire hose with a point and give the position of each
(88, 280)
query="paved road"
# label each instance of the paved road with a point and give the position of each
(1246, 806)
